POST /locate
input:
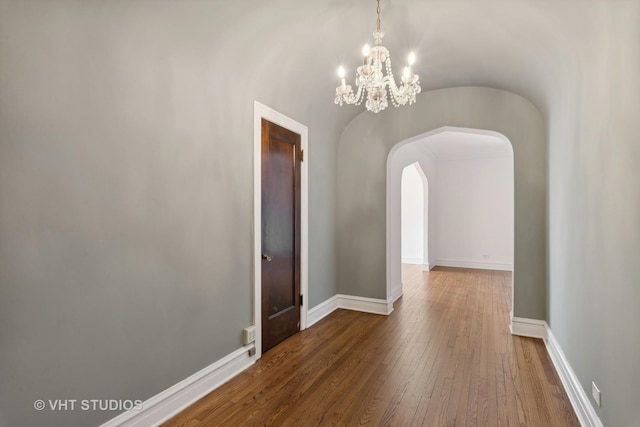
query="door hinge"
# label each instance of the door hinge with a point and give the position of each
(301, 299)
(302, 155)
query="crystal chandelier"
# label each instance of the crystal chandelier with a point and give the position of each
(372, 80)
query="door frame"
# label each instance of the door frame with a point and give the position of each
(261, 111)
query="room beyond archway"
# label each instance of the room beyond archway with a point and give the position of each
(468, 207)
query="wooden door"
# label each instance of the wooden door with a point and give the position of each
(281, 157)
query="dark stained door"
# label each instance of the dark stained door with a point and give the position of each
(281, 157)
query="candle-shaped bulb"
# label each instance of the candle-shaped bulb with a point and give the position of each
(412, 58)
(366, 50)
(341, 72)
(405, 73)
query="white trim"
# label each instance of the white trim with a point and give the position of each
(322, 310)
(367, 305)
(528, 327)
(176, 398)
(577, 396)
(396, 293)
(425, 267)
(412, 260)
(262, 111)
(503, 266)
(579, 400)
(350, 302)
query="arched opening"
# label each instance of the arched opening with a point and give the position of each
(469, 205)
(365, 242)
(414, 215)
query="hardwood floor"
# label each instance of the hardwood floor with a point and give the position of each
(444, 357)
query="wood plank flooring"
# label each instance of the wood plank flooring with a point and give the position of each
(444, 357)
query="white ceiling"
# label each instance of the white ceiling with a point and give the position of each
(452, 145)
(288, 51)
(538, 49)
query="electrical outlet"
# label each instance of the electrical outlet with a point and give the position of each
(249, 334)
(597, 396)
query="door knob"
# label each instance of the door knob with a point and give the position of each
(266, 257)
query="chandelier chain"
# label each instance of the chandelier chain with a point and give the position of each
(378, 12)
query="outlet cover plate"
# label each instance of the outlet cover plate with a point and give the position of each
(249, 335)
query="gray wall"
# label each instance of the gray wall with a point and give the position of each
(125, 176)
(126, 137)
(362, 161)
(594, 212)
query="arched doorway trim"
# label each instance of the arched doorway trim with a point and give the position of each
(395, 164)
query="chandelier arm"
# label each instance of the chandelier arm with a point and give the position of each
(406, 92)
(349, 96)
(355, 97)
(398, 94)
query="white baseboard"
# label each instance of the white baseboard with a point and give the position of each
(170, 402)
(176, 398)
(412, 260)
(349, 302)
(579, 400)
(528, 327)
(367, 305)
(322, 310)
(472, 264)
(425, 267)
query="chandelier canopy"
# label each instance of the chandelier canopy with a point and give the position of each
(371, 78)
